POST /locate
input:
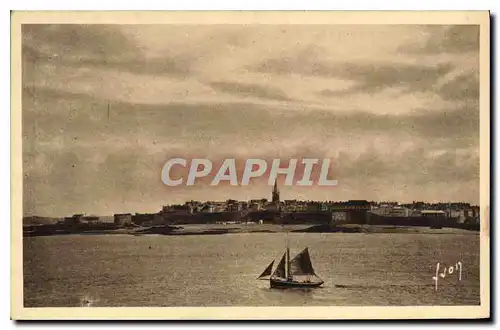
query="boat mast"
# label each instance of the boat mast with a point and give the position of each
(107, 120)
(287, 263)
(287, 268)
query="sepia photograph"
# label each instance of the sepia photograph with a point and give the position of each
(234, 165)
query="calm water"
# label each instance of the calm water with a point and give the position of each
(221, 270)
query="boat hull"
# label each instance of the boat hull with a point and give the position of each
(293, 284)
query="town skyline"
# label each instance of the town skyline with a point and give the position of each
(268, 199)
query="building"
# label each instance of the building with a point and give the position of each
(234, 207)
(193, 206)
(275, 204)
(357, 211)
(208, 208)
(90, 219)
(276, 193)
(74, 219)
(124, 219)
(339, 217)
(173, 213)
(475, 211)
(148, 219)
(436, 217)
(81, 219)
(391, 211)
(358, 205)
(255, 205)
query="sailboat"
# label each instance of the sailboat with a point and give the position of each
(295, 273)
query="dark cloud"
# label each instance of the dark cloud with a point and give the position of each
(375, 77)
(452, 123)
(31, 55)
(248, 89)
(448, 123)
(368, 77)
(462, 87)
(94, 46)
(179, 66)
(412, 166)
(446, 39)
(372, 77)
(459, 39)
(97, 41)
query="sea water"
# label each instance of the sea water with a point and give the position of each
(221, 270)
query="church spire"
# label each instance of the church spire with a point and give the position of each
(276, 193)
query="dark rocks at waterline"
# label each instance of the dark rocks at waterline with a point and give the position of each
(329, 229)
(157, 230)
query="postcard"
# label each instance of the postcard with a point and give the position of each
(250, 165)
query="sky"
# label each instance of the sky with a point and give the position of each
(396, 108)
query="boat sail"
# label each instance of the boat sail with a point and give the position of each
(280, 271)
(298, 272)
(266, 271)
(301, 264)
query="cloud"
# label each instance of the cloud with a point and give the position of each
(450, 123)
(175, 66)
(415, 166)
(100, 46)
(294, 65)
(75, 43)
(462, 87)
(247, 89)
(368, 77)
(375, 77)
(407, 70)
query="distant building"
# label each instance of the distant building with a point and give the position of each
(323, 207)
(433, 214)
(360, 205)
(454, 214)
(391, 211)
(154, 220)
(436, 217)
(193, 206)
(461, 215)
(339, 217)
(276, 193)
(148, 219)
(90, 219)
(123, 219)
(81, 218)
(475, 211)
(74, 219)
(219, 207)
(208, 208)
(255, 206)
(275, 205)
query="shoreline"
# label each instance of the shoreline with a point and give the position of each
(216, 229)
